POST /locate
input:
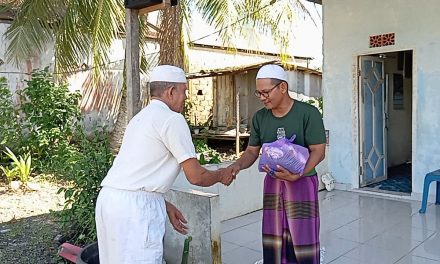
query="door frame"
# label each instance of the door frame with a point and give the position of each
(357, 128)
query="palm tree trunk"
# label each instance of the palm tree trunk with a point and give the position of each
(121, 123)
(121, 120)
(170, 37)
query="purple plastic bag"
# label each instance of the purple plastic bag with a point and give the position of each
(284, 153)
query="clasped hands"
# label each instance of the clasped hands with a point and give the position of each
(227, 175)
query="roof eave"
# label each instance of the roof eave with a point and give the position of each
(244, 68)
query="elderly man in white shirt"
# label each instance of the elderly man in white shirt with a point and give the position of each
(130, 210)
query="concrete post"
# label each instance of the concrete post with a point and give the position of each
(202, 211)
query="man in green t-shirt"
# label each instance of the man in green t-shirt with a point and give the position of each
(290, 203)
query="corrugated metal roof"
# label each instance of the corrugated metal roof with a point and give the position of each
(244, 68)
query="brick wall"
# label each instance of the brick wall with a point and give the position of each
(202, 103)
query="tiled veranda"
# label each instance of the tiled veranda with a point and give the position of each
(355, 228)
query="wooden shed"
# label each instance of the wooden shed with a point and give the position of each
(235, 86)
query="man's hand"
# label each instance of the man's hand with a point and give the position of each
(281, 173)
(226, 176)
(235, 168)
(176, 219)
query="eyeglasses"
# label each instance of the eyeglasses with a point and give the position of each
(265, 93)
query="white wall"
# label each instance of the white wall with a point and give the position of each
(243, 196)
(347, 27)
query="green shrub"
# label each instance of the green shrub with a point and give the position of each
(10, 133)
(49, 131)
(51, 114)
(187, 112)
(85, 167)
(318, 103)
(21, 164)
(19, 168)
(207, 154)
(9, 172)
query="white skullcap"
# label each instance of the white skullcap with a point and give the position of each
(167, 73)
(272, 71)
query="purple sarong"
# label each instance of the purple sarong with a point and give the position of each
(291, 221)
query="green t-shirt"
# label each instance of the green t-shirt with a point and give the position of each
(303, 120)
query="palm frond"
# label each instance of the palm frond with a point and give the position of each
(85, 35)
(302, 9)
(147, 61)
(247, 19)
(106, 20)
(224, 15)
(185, 12)
(32, 29)
(9, 6)
(72, 40)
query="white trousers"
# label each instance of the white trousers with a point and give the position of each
(130, 226)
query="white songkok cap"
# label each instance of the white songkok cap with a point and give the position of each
(272, 71)
(167, 73)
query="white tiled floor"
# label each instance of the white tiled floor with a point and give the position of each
(355, 228)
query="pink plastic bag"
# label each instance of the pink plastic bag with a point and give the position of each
(284, 153)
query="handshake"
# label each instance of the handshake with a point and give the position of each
(227, 175)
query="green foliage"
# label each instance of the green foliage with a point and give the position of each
(9, 128)
(79, 30)
(207, 154)
(249, 18)
(319, 103)
(20, 167)
(50, 115)
(187, 110)
(85, 166)
(85, 30)
(10, 173)
(208, 122)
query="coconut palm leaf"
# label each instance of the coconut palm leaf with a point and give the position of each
(148, 60)
(72, 39)
(83, 32)
(31, 31)
(223, 15)
(107, 18)
(247, 19)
